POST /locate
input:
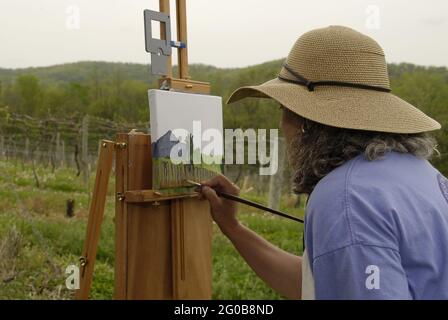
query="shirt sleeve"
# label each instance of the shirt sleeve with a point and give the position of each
(360, 272)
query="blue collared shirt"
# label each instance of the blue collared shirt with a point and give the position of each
(379, 230)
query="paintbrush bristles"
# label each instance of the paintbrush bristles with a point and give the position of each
(174, 176)
(197, 184)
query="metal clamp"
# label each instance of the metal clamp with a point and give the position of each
(178, 44)
(160, 49)
(121, 145)
(83, 261)
(120, 196)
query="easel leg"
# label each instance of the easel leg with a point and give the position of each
(96, 214)
(121, 185)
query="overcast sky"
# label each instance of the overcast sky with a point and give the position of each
(225, 33)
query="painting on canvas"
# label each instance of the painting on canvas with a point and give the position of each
(187, 139)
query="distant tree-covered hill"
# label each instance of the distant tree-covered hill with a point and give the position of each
(82, 72)
(118, 91)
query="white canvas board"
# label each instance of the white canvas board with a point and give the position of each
(172, 110)
(198, 116)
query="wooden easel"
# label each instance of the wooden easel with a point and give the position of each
(162, 243)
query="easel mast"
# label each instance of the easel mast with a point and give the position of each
(183, 83)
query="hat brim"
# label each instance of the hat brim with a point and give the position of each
(344, 107)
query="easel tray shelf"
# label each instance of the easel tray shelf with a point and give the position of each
(151, 196)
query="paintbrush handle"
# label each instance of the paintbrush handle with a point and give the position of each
(256, 205)
(247, 202)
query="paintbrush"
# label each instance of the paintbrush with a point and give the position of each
(248, 203)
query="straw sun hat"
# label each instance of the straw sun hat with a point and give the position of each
(338, 77)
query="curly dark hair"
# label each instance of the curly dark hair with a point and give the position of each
(321, 148)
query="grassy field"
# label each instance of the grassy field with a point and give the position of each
(38, 242)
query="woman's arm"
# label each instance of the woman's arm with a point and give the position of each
(281, 270)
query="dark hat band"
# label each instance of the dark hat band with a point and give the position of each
(300, 80)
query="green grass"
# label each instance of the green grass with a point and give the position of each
(37, 241)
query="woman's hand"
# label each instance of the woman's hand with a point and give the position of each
(278, 268)
(223, 210)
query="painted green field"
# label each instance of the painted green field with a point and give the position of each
(37, 241)
(171, 178)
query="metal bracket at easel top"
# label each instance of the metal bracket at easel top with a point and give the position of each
(160, 49)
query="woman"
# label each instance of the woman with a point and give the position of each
(376, 223)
